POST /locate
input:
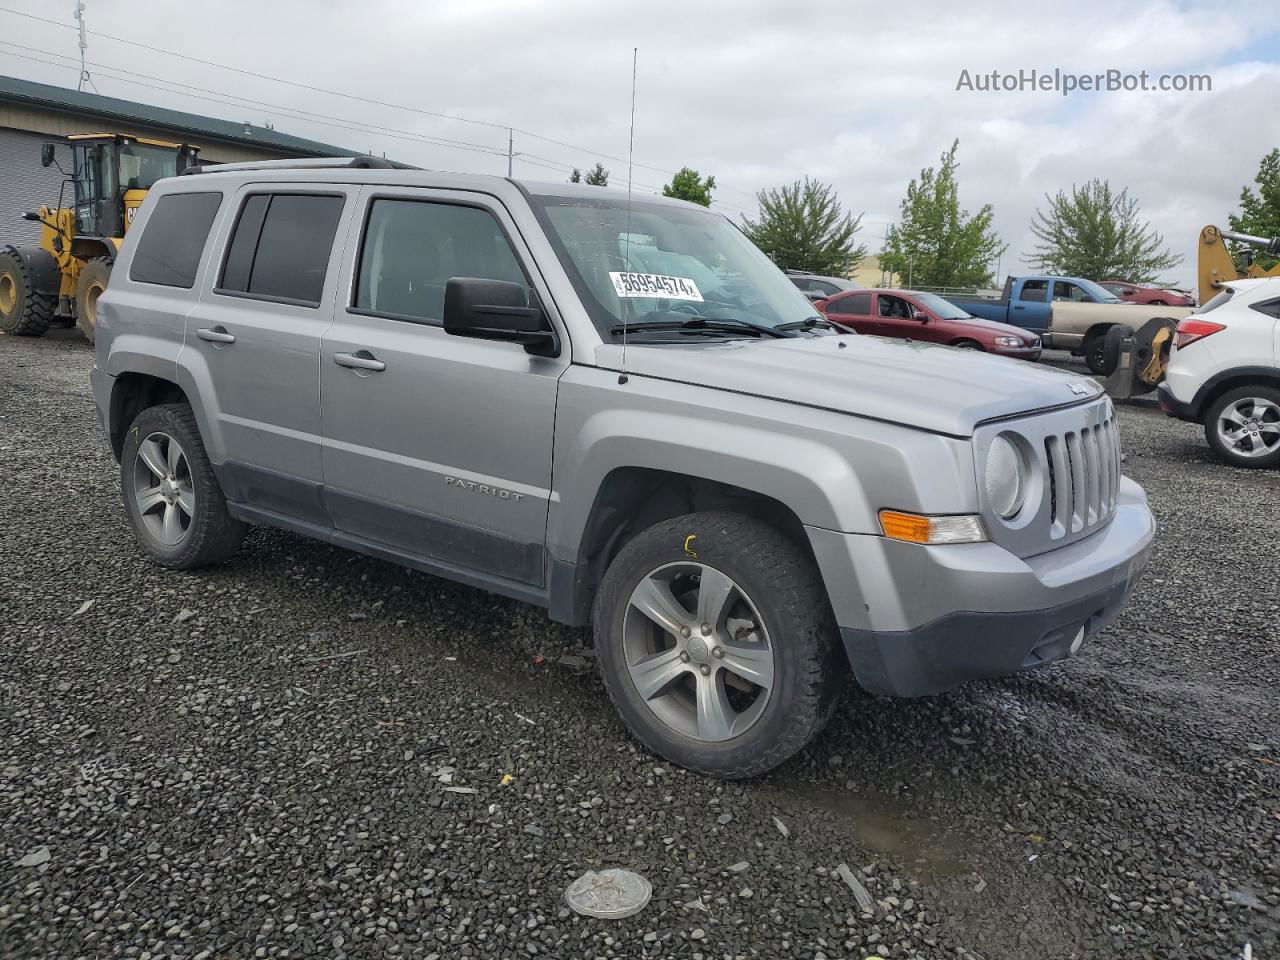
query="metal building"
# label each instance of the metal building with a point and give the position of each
(32, 113)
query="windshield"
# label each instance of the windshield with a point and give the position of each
(942, 309)
(665, 263)
(1097, 291)
(142, 165)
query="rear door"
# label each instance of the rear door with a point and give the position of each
(852, 310)
(255, 338)
(1029, 303)
(437, 448)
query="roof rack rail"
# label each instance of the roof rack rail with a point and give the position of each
(304, 163)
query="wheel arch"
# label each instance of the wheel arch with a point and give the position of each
(1227, 380)
(131, 393)
(632, 499)
(93, 248)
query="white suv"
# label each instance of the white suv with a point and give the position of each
(1224, 372)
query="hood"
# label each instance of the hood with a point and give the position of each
(922, 385)
(994, 327)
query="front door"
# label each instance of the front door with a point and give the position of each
(255, 335)
(437, 448)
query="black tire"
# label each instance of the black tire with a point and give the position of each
(213, 534)
(90, 285)
(968, 345)
(23, 312)
(1213, 416)
(786, 590)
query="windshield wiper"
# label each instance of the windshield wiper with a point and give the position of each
(718, 324)
(808, 323)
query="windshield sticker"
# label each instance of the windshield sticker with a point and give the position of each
(654, 285)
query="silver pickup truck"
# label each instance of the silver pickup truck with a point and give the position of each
(616, 408)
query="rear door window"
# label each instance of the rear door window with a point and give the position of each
(1035, 290)
(280, 247)
(173, 239)
(854, 305)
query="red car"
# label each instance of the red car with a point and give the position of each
(927, 317)
(1139, 293)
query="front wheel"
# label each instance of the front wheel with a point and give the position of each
(1243, 426)
(717, 644)
(171, 496)
(968, 345)
(90, 286)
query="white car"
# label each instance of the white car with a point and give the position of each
(1224, 372)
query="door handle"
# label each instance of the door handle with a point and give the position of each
(1018, 306)
(215, 335)
(360, 360)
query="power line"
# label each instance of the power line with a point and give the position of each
(296, 113)
(338, 93)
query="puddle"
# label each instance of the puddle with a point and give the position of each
(885, 826)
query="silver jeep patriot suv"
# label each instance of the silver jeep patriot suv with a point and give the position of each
(619, 410)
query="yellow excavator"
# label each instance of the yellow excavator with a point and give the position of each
(58, 282)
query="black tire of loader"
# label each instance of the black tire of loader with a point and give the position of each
(29, 312)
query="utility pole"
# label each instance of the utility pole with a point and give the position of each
(84, 73)
(510, 152)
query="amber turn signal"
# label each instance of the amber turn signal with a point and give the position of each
(914, 528)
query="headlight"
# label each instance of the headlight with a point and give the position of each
(1009, 341)
(1006, 477)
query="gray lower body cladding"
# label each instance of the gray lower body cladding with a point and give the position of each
(973, 646)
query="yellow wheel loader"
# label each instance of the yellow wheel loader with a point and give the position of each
(58, 282)
(1143, 354)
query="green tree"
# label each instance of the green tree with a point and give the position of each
(935, 243)
(576, 176)
(687, 185)
(803, 227)
(597, 176)
(1096, 233)
(1260, 212)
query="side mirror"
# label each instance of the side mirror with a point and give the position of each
(47, 153)
(815, 295)
(497, 310)
(919, 315)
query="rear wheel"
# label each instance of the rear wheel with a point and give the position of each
(23, 311)
(1094, 350)
(717, 644)
(90, 286)
(171, 496)
(1243, 426)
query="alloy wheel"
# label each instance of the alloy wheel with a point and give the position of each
(162, 489)
(1250, 427)
(697, 651)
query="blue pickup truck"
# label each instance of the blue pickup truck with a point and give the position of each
(1029, 302)
(1026, 300)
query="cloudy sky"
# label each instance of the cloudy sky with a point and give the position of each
(859, 94)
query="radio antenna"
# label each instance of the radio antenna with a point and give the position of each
(626, 243)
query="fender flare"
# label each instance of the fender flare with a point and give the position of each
(41, 267)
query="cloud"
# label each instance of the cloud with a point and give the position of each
(756, 92)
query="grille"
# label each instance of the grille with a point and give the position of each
(1083, 468)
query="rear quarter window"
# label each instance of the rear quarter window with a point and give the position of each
(173, 239)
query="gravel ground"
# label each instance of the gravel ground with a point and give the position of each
(310, 753)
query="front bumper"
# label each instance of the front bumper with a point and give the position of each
(1018, 353)
(925, 619)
